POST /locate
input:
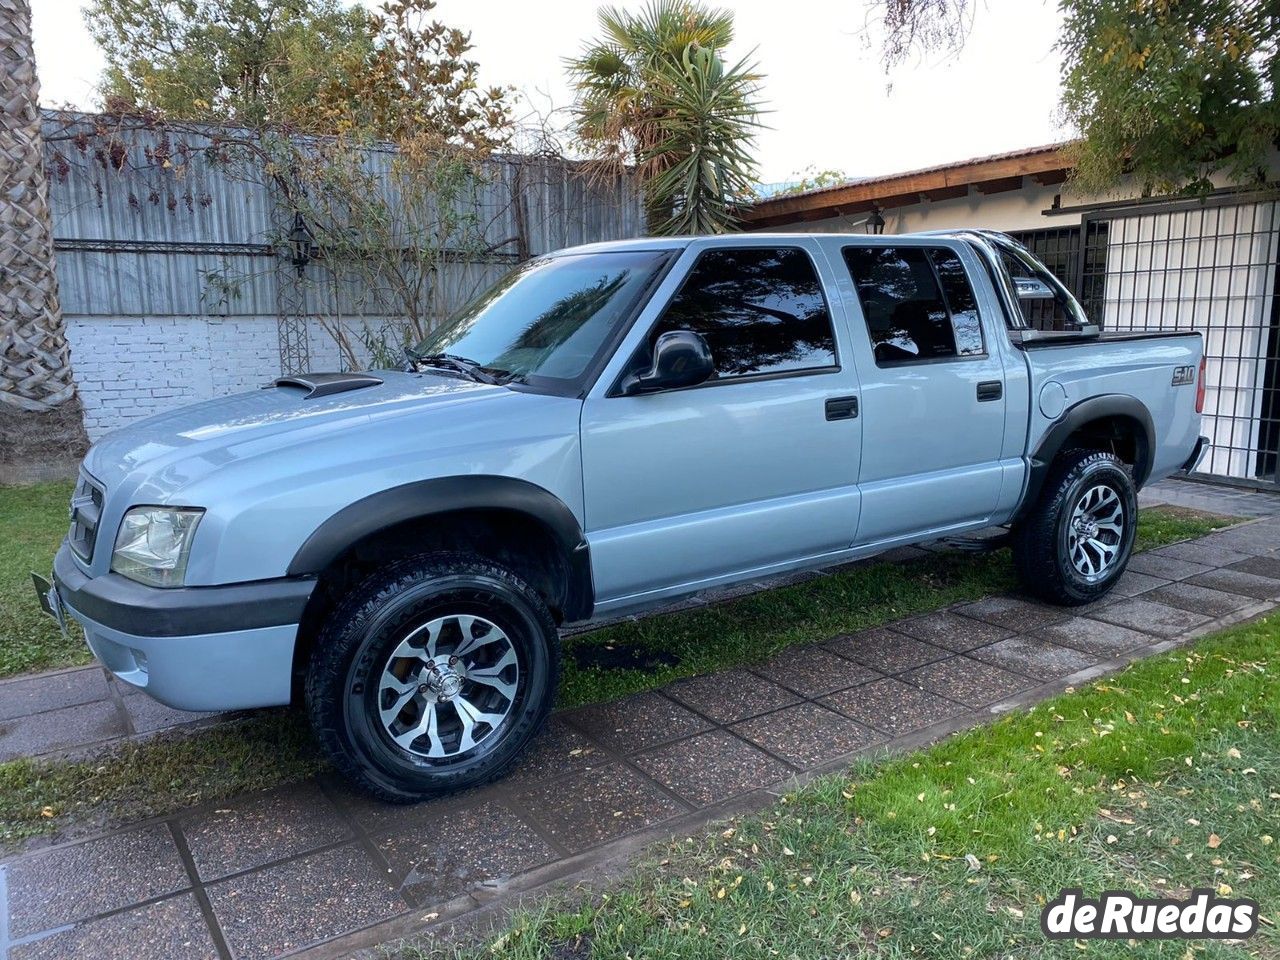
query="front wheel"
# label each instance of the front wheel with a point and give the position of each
(1075, 543)
(432, 676)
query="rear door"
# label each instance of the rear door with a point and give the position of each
(753, 469)
(933, 387)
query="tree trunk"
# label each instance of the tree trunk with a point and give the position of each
(41, 421)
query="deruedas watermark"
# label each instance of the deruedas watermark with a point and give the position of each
(1119, 915)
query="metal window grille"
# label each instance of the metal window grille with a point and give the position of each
(1059, 249)
(1209, 266)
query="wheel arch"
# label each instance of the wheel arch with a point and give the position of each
(439, 513)
(1119, 423)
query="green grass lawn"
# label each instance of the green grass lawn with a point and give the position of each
(1163, 778)
(171, 773)
(33, 521)
(656, 650)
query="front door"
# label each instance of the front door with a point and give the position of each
(933, 393)
(748, 471)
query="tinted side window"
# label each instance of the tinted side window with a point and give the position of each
(761, 310)
(917, 302)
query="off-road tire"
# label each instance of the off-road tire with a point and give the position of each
(346, 666)
(1040, 539)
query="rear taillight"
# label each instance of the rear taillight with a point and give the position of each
(1200, 388)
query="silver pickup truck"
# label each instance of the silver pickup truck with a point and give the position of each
(608, 429)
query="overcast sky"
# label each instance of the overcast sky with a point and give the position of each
(831, 104)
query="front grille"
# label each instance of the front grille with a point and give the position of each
(86, 511)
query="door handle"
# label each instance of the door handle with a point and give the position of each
(842, 408)
(990, 390)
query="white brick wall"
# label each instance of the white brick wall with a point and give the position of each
(131, 367)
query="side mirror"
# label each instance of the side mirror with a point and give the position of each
(681, 358)
(1030, 288)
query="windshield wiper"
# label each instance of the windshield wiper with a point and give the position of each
(448, 361)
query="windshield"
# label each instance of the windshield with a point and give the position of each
(546, 320)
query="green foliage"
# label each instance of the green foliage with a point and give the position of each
(654, 93)
(320, 67)
(1171, 91)
(243, 61)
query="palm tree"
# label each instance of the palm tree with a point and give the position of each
(41, 420)
(655, 95)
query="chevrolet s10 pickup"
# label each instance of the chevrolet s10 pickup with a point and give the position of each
(608, 429)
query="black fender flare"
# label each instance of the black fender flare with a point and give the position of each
(423, 498)
(1077, 416)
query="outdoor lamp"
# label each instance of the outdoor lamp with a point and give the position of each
(875, 222)
(302, 241)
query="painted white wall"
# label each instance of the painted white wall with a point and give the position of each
(128, 368)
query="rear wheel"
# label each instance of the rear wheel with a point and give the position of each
(1075, 543)
(432, 676)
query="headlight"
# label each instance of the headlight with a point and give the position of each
(153, 545)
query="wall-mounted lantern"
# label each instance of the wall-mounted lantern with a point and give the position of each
(875, 222)
(302, 243)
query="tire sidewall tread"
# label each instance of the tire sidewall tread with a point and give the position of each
(1041, 565)
(350, 638)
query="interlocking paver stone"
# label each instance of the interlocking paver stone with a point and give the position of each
(451, 855)
(731, 695)
(1187, 596)
(377, 817)
(257, 828)
(1013, 613)
(1034, 657)
(595, 806)
(637, 722)
(1237, 581)
(1213, 554)
(49, 691)
(1167, 568)
(300, 902)
(894, 707)
(61, 729)
(813, 671)
(1151, 617)
(711, 767)
(968, 681)
(947, 629)
(1094, 636)
(1255, 539)
(1267, 566)
(886, 650)
(172, 929)
(557, 752)
(58, 886)
(807, 735)
(1132, 583)
(148, 715)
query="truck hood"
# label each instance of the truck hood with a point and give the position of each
(192, 440)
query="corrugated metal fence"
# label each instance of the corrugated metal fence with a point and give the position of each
(173, 273)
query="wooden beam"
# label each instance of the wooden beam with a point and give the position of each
(946, 193)
(1050, 177)
(885, 191)
(1002, 185)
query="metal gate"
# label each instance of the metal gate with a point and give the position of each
(1206, 265)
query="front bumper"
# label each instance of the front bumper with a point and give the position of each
(195, 648)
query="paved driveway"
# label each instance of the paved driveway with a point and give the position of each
(315, 867)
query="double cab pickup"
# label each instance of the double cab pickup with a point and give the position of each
(608, 429)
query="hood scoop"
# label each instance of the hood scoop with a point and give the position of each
(325, 384)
